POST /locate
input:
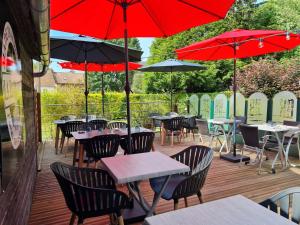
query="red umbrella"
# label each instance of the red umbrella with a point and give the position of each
(6, 61)
(239, 44)
(94, 67)
(138, 18)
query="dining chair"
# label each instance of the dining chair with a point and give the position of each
(90, 193)
(253, 143)
(99, 124)
(286, 203)
(119, 125)
(184, 185)
(204, 131)
(102, 146)
(66, 130)
(173, 128)
(156, 123)
(140, 142)
(190, 125)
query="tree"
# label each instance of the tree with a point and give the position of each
(112, 81)
(269, 77)
(245, 14)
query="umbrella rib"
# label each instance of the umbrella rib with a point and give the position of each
(110, 20)
(78, 53)
(201, 9)
(68, 9)
(109, 59)
(153, 19)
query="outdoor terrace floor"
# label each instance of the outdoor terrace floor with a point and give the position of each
(224, 179)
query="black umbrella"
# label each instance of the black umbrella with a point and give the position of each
(82, 49)
(172, 65)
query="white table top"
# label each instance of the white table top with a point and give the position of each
(137, 167)
(221, 121)
(275, 128)
(84, 135)
(235, 210)
(83, 120)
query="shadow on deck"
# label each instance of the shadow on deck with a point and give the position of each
(224, 179)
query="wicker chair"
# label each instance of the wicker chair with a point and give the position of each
(118, 125)
(140, 143)
(67, 129)
(204, 131)
(99, 124)
(90, 192)
(102, 146)
(198, 158)
(189, 124)
(174, 127)
(286, 203)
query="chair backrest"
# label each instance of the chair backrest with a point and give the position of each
(190, 122)
(199, 159)
(250, 135)
(99, 124)
(156, 123)
(86, 126)
(70, 126)
(171, 114)
(89, 192)
(286, 203)
(202, 126)
(173, 124)
(291, 123)
(119, 125)
(102, 146)
(140, 143)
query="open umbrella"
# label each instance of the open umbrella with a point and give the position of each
(239, 44)
(94, 67)
(138, 18)
(172, 65)
(85, 50)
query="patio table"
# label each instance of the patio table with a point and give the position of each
(219, 124)
(58, 124)
(235, 210)
(276, 130)
(162, 119)
(82, 136)
(132, 169)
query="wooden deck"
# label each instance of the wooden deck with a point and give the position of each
(224, 179)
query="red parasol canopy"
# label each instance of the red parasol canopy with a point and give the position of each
(94, 67)
(145, 18)
(6, 61)
(248, 43)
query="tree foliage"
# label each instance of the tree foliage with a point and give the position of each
(269, 77)
(112, 81)
(245, 14)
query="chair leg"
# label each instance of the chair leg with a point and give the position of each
(72, 220)
(120, 220)
(66, 151)
(186, 202)
(200, 197)
(175, 204)
(62, 142)
(172, 138)
(200, 137)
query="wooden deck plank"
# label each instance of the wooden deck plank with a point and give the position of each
(224, 179)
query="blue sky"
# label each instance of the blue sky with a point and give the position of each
(144, 42)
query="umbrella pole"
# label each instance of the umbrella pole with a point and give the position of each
(86, 91)
(127, 85)
(171, 93)
(102, 93)
(234, 103)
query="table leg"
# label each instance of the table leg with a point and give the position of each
(163, 133)
(135, 191)
(56, 138)
(81, 154)
(75, 152)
